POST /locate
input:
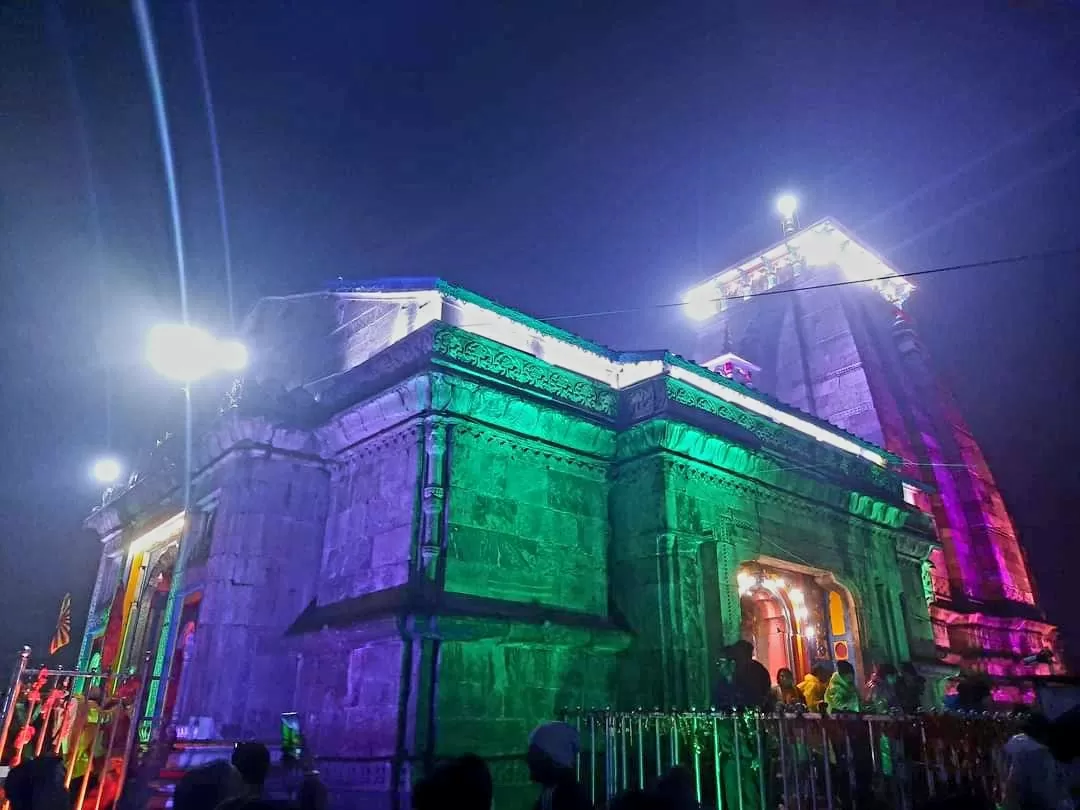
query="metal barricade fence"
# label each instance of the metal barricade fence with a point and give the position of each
(754, 761)
(87, 719)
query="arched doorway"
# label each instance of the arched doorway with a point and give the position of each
(767, 624)
(796, 617)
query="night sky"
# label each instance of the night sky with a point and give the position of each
(560, 157)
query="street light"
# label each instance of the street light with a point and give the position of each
(187, 353)
(106, 471)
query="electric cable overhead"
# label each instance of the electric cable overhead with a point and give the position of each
(1027, 257)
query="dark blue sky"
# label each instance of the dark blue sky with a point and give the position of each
(560, 157)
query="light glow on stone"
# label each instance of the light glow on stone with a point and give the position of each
(776, 415)
(747, 582)
(161, 533)
(823, 244)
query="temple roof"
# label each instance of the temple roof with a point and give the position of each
(416, 302)
(824, 244)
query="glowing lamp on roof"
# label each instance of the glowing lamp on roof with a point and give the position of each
(787, 205)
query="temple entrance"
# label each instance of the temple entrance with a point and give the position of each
(796, 618)
(148, 611)
(766, 623)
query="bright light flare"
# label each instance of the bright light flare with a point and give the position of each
(187, 353)
(233, 355)
(747, 582)
(106, 471)
(787, 205)
(701, 303)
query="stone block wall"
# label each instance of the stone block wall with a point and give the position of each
(492, 692)
(259, 575)
(526, 524)
(372, 516)
(351, 692)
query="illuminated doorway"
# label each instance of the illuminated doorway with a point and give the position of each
(797, 617)
(766, 623)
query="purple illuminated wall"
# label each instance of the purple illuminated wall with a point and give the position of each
(848, 356)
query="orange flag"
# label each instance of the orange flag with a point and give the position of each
(62, 637)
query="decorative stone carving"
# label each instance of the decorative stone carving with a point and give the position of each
(509, 364)
(927, 572)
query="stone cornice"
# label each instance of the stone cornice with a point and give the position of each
(466, 401)
(460, 617)
(794, 446)
(383, 412)
(529, 447)
(735, 467)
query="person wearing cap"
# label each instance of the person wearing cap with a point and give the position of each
(552, 761)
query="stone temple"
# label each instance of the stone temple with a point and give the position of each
(426, 523)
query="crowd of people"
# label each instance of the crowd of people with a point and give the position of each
(1039, 776)
(744, 683)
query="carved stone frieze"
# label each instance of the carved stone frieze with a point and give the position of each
(516, 367)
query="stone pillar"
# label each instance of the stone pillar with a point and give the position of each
(436, 435)
(727, 560)
(421, 634)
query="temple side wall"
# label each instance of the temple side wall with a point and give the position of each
(493, 692)
(526, 523)
(372, 516)
(259, 575)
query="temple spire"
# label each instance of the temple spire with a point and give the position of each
(727, 347)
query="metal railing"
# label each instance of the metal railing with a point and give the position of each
(87, 719)
(753, 761)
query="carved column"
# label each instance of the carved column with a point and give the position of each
(420, 632)
(727, 565)
(433, 498)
